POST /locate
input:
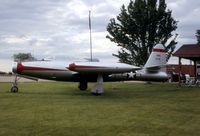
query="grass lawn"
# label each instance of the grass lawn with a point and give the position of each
(125, 109)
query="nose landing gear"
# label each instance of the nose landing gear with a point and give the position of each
(14, 88)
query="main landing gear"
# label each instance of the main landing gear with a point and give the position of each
(98, 87)
(83, 85)
(14, 88)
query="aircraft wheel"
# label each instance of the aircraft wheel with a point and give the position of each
(82, 86)
(14, 89)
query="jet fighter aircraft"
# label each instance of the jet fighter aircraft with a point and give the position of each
(84, 72)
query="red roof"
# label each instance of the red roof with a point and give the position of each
(188, 51)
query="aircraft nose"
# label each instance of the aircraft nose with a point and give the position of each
(14, 68)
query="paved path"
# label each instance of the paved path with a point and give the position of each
(10, 79)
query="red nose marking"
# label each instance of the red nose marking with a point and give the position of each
(20, 67)
(72, 66)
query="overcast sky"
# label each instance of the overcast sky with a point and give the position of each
(59, 28)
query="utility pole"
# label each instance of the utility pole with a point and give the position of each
(90, 36)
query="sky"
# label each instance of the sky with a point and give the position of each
(58, 29)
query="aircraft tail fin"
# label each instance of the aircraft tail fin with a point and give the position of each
(157, 60)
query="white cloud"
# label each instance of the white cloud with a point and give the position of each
(12, 39)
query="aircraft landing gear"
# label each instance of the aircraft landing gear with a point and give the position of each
(98, 87)
(14, 88)
(82, 85)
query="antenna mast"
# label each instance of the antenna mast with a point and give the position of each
(90, 36)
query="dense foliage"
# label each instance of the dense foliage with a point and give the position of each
(23, 57)
(139, 27)
(198, 36)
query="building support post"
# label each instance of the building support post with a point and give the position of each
(195, 71)
(179, 63)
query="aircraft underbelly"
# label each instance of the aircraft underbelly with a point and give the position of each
(64, 75)
(151, 76)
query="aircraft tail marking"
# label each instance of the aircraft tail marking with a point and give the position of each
(157, 60)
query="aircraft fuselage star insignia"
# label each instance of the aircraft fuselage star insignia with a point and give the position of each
(131, 75)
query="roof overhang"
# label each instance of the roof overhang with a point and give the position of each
(189, 51)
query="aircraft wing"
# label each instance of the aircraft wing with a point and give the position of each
(103, 68)
(154, 69)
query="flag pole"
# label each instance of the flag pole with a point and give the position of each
(90, 36)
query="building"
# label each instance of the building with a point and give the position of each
(185, 69)
(191, 52)
(2, 73)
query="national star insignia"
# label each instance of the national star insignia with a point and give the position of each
(131, 75)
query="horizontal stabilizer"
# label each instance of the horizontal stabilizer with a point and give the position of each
(154, 69)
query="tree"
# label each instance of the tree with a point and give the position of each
(198, 36)
(139, 27)
(23, 57)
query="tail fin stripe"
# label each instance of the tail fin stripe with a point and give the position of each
(158, 50)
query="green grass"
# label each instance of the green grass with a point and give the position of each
(125, 109)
